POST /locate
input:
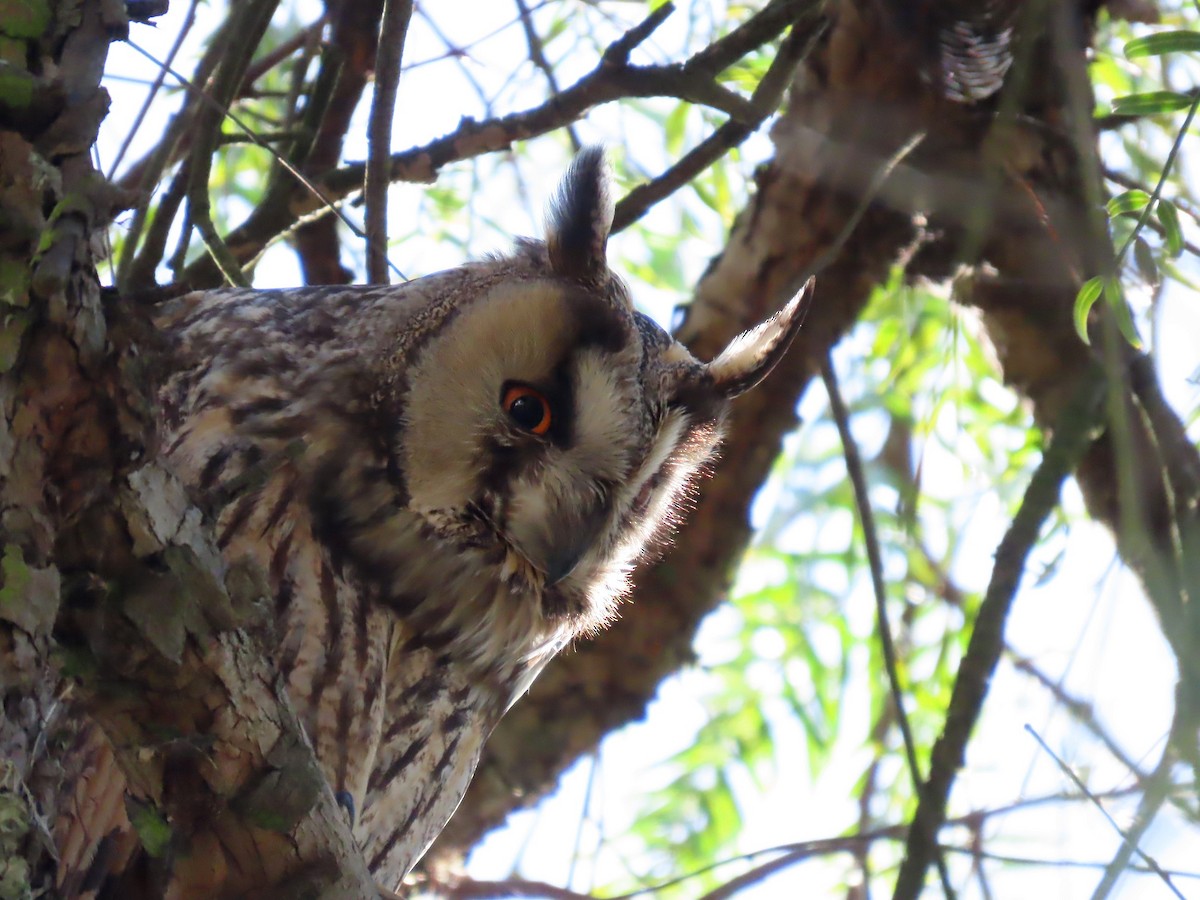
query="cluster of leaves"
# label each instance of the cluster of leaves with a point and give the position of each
(1134, 84)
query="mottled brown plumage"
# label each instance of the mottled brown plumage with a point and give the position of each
(445, 483)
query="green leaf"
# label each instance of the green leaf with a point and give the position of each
(1128, 202)
(1089, 292)
(1143, 257)
(1151, 103)
(25, 18)
(675, 128)
(151, 826)
(1163, 42)
(1168, 217)
(1115, 297)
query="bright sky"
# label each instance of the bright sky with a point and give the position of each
(1088, 624)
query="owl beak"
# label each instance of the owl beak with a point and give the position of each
(560, 568)
(750, 357)
(565, 559)
(569, 545)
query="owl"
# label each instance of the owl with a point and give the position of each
(445, 483)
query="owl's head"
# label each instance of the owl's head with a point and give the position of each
(556, 427)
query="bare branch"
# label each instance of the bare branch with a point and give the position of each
(341, 79)
(862, 501)
(389, 52)
(188, 22)
(1081, 711)
(1156, 793)
(1129, 838)
(766, 99)
(537, 56)
(618, 52)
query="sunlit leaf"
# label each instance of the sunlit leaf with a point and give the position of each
(1115, 297)
(1128, 202)
(1168, 217)
(1151, 103)
(1163, 42)
(1087, 296)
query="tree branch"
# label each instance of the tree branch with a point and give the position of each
(161, 642)
(341, 79)
(766, 99)
(1072, 436)
(862, 502)
(537, 56)
(389, 51)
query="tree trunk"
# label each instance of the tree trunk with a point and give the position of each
(121, 638)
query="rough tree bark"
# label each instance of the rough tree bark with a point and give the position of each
(113, 599)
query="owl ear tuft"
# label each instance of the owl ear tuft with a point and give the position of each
(751, 356)
(581, 215)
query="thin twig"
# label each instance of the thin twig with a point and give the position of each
(331, 97)
(537, 56)
(177, 139)
(1127, 181)
(1162, 178)
(388, 54)
(775, 16)
(141, 271)
(862, 499)
(1152, 800)
(247, 25)
(830, 253)
(800, 851)
(159, 75)
(470, 889)
(1125, 837)
(331, 205)
(1062, 863)
(461, 58)
(1082, 711)
(618, 51)
(765, 99)
(147, 172)
(308, 36)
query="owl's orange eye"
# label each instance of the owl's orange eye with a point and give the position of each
(528, 407)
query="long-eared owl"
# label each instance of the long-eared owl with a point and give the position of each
(444, 482)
